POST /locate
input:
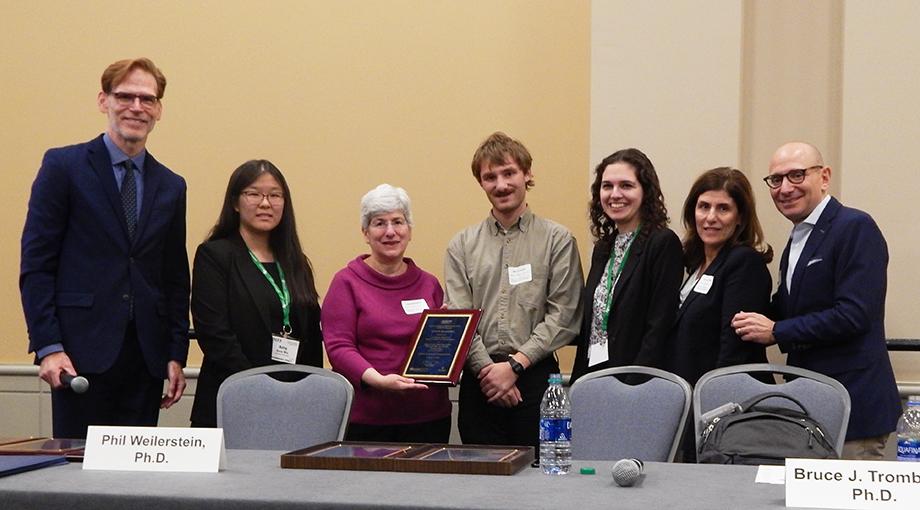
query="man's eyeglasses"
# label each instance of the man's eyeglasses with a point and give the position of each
(126, 99)
(795, 176)
(255, 198)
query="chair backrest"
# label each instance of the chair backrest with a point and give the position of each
(825, 399)
(259, 412)
(613, 420)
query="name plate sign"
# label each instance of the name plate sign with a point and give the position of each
(857, 484)
(176, 449)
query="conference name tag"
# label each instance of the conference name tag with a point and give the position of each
(857, 484)
(284, 349)
(597, 353)
(414, 306)
(176, 449)
(704, 284)
(519, 274)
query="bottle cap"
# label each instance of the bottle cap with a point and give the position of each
(587, 471)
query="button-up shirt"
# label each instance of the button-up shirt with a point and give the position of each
(118, 159)
(527, 280)
(798, 238)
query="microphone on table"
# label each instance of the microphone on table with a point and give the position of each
(77, 383)
(626, 472)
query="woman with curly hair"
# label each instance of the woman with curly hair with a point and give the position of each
(631, 296)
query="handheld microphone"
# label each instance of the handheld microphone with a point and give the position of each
(626, 472)
(77, 383)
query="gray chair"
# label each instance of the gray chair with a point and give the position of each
(259, 412)
(613, 420)
(825, 399)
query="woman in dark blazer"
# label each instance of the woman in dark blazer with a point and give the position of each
(246, 273)
(630, 298)
(726, 261)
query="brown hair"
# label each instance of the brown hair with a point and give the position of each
(652, 213)
(748, 233)
(496, 148)
(116, 73)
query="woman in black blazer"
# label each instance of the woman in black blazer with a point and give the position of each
(630, 298)
(726, 261)
(251, 283)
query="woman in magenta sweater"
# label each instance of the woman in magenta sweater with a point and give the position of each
(369, 316)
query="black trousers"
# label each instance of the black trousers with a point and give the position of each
(483, 423)
(126, 394)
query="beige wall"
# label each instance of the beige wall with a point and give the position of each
(881, 126)
(340, 95)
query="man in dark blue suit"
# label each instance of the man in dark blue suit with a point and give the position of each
(104, 272)
(830, 305)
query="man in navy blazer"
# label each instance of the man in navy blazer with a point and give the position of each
(830, 305)
(104, 272)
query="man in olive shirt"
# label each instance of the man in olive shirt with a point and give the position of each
(525, 274)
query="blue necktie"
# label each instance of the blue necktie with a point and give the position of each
(129, 198)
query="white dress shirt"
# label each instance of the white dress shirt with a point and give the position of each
(798, 238)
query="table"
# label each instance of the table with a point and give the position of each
(254, 479)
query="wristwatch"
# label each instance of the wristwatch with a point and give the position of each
(516, 366)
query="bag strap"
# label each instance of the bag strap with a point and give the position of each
(748, 404)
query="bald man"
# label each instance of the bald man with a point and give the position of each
(830, 305)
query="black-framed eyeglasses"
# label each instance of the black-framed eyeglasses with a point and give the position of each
(795, 176)
(252, 197)
(126, 99)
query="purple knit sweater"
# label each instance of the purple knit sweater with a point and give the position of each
(364, 325)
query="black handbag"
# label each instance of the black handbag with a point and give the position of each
(753, 433)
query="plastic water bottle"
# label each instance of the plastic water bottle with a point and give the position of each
(909, 431)
(555, 429)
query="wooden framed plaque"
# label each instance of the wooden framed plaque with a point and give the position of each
(411, 458)
(12, 440)
(440, 345)
(70, 448)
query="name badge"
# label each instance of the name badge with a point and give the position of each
(284, 350)
(520, 274)
(860, 484)
(198, 450)
(597, 353)
(414, 306)
(703, 286)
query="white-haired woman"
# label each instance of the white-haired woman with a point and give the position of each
(369, 315)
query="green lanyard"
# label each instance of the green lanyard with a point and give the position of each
(611, 278)
(283, 295)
